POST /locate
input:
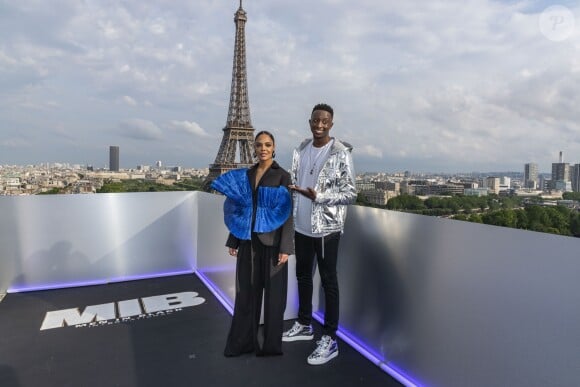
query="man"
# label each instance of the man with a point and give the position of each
(324, 182)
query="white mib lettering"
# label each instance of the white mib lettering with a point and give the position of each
(171, 301)
(123, 310)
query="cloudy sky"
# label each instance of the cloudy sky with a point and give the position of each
(470, 85)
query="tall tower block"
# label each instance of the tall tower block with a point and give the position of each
(114, 158)
(238, 130)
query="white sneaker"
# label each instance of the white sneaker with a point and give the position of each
(298, 332)
(327, 350)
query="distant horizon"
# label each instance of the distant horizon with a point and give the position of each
(105, 166)
(506, 171)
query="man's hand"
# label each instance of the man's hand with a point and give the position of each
(308, 192)
(282, 259)
(233, 252)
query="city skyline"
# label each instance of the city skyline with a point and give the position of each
(435, 87)
(162, 166)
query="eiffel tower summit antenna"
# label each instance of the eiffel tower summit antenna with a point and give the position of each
(238, 129)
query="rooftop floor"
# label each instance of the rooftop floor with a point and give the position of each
(168, 348)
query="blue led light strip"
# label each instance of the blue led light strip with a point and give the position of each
(216, 292)
(55, 286)
(149, 276)
(95, 282)
(361, 348)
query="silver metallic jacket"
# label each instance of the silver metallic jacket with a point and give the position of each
(335, 187)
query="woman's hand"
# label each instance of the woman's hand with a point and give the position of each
(233, 252)
(282, 258)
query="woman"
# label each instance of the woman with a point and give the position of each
(257, 212)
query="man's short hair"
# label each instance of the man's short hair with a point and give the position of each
(325, 107)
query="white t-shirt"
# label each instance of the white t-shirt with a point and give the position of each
(311, 161)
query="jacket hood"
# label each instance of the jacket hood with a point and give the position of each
(337, 145)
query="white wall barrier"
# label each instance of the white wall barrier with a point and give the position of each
(435, 301)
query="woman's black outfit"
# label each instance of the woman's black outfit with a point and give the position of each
(257, 272)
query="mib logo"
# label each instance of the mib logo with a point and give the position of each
(122, 311)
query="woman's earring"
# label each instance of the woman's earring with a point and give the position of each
(273, 154)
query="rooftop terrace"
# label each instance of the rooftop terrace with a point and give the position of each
(432, 302)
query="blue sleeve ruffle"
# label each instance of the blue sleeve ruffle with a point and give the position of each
(235, 185)
(273, 208)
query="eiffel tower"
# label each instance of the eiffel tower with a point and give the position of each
(238, 129)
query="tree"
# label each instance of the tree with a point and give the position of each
(362, 200)
(559, 219)
(475, 218)
(493, 202)
(495, 210)
(405, 202)
(467, 205)
(509, 202)
(433, 202)
(571, 196)
(453, 204)
(148, 186)
(52, 191)
(575, 224)
(111, 187)
(505, 218)
(521, 219)
(536, 215)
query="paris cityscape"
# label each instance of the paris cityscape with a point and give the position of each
(480, 150)
(376, 187)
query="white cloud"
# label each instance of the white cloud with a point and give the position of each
(140, 130)
(129, 100)
(189, 127)
(15, 143)
(371, 150)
